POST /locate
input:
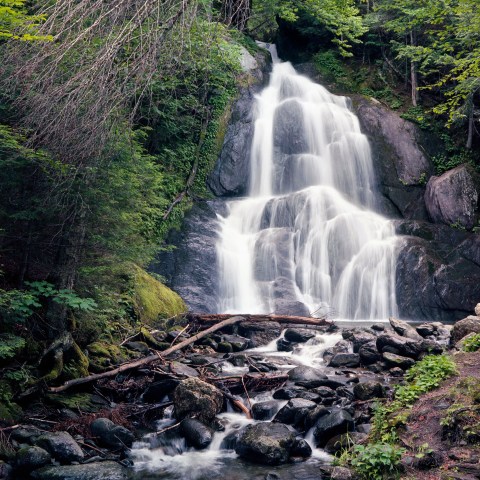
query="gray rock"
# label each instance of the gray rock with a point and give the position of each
(287, 393)
(237, 342)
(426, 329)
(298, 334)
(369, 354)
(266, 443)
(331, 424)
(179, 368)
(344, 441)
(31, 458)
(342, 473)
(265, 410)
(25, 434)
(61, 446)
(452, 198)
(301, 449)
(392, 343)
(260, 333)
(89, 471)
(196, 433)
(368, 390)
(345, 360)
(284, 345)
(398, 361)
(307, 377)
(111, 435)
(193, 397)
(404, 329)
(5, 471)
(471, 324)
(477, 309)
(289, 135)
(358, 338)
(294, 411)
(140, 347)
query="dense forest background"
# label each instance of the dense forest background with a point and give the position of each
(112, 116)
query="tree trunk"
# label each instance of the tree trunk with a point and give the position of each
(470, 126)
(413, 74)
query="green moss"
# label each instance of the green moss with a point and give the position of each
(103, 355)
(76, 401)
(9, 410)
(76, 365)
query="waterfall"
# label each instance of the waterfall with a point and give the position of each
(306, 239)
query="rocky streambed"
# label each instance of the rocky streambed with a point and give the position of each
(252, 401)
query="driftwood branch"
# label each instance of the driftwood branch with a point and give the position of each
(284, 319)
(146, 360)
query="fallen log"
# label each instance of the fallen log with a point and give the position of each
(146, 360)
(284, 319)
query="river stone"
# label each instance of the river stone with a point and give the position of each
(157, 390)
(265, 410)
(260, 333)
(237, 342)
(61, 446)
(368, 390)
(31, 458)
(301, 449)
(344, 441)
(196, 433)
(89, 471)
(194, 397)
(452, 198)
(390, 342)
(334, 423)
(287, 393)
(284, 345)
(307, 377)
(298, 334)
(358, 338)
(369, 353)
(266, 443)
(471, 324)
(398, 361)
(426, 329)
(345, 360)
(404, 329)
(111, 435)
(294, 411)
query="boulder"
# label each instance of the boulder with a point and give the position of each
(294, 411)
(301, 449)
(398, 361)
(260, 333)
(289, 135)
(237, 342)
(266, 443)
(298, 334)
(331, 424)
(88, 471)
(345, 360)
(265, 410)
(358, 338)
(287, 393)
(426, 329)
(157, 390)
(369, 353)
(477, 309)
(307, 377)
(31, 458)
(368, 390)
(471, 324)
(111, 435)
(61, 446)
(194, 397)
(196, 433)
(404, 329)
(284, 345)
(390, 342)
(452, 198)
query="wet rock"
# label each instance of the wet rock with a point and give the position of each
(287, 393)
(313, 415)
(368, 390)
(266, 443)
(5, 471)
(369, 353)
(289, 133)
(90, 471)
(298, 334)
(471, 324)
(398, 361)
(196, 433)
(265, 410)
(31, 458)
(301, 449)
(237, 342)
(389, 342)
(25, 434)
(230, 440)
(358, 338)
(193, 397)
(333, 382)
(378, 327)
(452, 198)
(426, 329)
(157, 390)
(343, 346)
(404, 329)
(331, 424)
(294, 411)
(179, 368)
(284, 345)
(111, 435)
(307, 377)
(345, 360)
(140, 347)
(224, 347)
(345, 392)
(341, 473)
(260, 333)
(396, 372)
(325, 392)
(364, 428)
(344, 441)
(61, 446)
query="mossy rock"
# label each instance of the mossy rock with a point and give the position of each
(76, 364)
(9, 410)
(77, 401)
(102, 356)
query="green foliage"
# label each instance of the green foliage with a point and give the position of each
(472, 343)
(10, 345)
(376, 460)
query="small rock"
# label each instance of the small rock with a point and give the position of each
(341, 473)
(140, 347)
(224, 347)
(369, 354)
(61, 446)
(25, 434)
(358, 338)
(111, 435)
(284, 345)
(396, 372)
(260, 333)
(301, 449)
(404, 329)
(307, 377)
(345, 360)
(398, 361)
(157, 390)
(265, 410)
(368, 390)
(364, 428)
(378, 327)
(31, 458)
(298, 335)
(331, 424)
(196, 433)
(287, 393)
(179, 368)
(294, 411)
(426, 329)
(237, 342)
(390, 342)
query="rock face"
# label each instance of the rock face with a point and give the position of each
(452, 198)
(193, 397)
(266, 443)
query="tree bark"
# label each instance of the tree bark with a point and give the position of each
(413, 73)
(470, 127)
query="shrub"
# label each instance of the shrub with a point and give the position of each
(376, 460)
(472, 343)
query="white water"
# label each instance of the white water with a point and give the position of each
(306, 234)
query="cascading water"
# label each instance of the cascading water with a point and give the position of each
(306, 239)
